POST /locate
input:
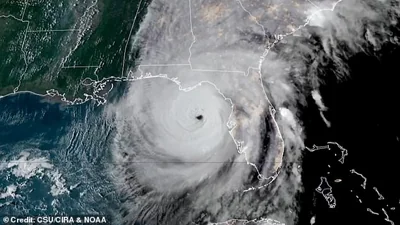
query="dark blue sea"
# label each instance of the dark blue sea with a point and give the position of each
(53, 158)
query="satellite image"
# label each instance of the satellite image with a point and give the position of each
(195, 112)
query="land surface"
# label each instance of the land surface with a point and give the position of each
(65, 48)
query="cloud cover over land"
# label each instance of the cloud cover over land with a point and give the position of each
(209, 129)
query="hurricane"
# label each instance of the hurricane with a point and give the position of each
(209, 129)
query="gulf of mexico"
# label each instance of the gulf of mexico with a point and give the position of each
(53, 158)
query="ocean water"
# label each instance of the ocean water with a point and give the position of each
(364, 113)
(53, 158)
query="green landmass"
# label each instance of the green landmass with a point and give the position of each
(57, 45)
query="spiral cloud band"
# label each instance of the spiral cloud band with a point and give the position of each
(208, 130)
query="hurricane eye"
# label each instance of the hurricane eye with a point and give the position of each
(199, 117)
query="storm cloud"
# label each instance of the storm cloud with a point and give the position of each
(209, 129)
